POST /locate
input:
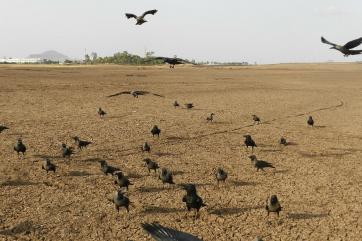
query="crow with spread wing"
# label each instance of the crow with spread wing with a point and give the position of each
(173, 61)
(135, 93)
(161, 233)
(346, 49)
(141, 19)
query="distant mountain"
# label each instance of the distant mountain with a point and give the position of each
(50, 55)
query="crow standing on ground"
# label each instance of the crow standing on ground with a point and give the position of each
(151, 165)
(176, 104)
(2, 128)
(155, 131)
(141, 19)
(346, 49)
(283, 141)
(120, 200)
(260, 164)
(210, 118)
(273, 205)
(121, 180)
(310, 121)
(166, 176)
(20, 147)
(189, 105)
(107, 169)
(221, 175)
(80, 143)
(48, 166)
(161, 233)
(146, 147)
(249, 142)
(256, 119)
(101, 112)
(192, 200)
(66, 151)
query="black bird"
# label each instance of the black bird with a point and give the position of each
(192, 200)
(260, 164)
(310, 121)
(166, 176)
(120, 200)
(155, 131)
(101, 112)
(107, 169)
(141, 19)
(283, 141)
(173, 61)
(176, 104)
(256, 119)
(20, 147)
(66, 151)
(221, 175)
(48, 166)
(249, 142)
(2, 128)
(121, 180)
(151, 165)
(146, 147)
(273, 205)
(346, 49)
(210, 118)
(161, 233)
(189, 105)
(80, 143)
(134, 93)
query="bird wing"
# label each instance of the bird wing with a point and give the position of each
(130, 15)
(325, 41)
(354, 52)
(261, 163)
(149, 12)
(119, 93)
(160, 233)
(354, 43)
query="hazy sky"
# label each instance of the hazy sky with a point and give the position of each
(266, 31)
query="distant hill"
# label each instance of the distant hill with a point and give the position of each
(50, 55)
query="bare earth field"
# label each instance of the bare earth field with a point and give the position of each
(318, 178)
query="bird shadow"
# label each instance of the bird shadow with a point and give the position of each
(176, 138)
(79, 174)
(135, 175)
(161, 154)
(23, 227)
(319, 127)
(281, 171)
(154, 209)
(241, 183)
(303, 216)
(270, 150)
(17, 183)
(151, 189)
(291, 143)
(312, 155)
(92, 159)
(232, 210)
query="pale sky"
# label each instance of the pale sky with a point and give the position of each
(265, 31)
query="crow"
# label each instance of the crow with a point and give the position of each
(346, 49)
(176, 104)
(283, 141)
(146, 147)
(120, 200)
(259, 164)
(2, 128)
(141, 19)
(66, 151)
(155, 131)
(210, 118)
(256, 119)
(20, 147)
(273, 205)
(249, 142)
(80, 143)
(221, 175)
(166, 176)
(189, 105)
(310, 121)
(161, 233)
(48, 166)
(101, 112)
(121, 180)
(107, 169)
(172, 61)
(192, 200)
(134, 93)
(151, 165)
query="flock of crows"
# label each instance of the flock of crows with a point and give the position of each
(191, 198)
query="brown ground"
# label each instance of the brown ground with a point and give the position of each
(317, 178)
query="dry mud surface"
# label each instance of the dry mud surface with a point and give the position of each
(317, 178)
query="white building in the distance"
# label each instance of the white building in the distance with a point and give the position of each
(21, 61)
